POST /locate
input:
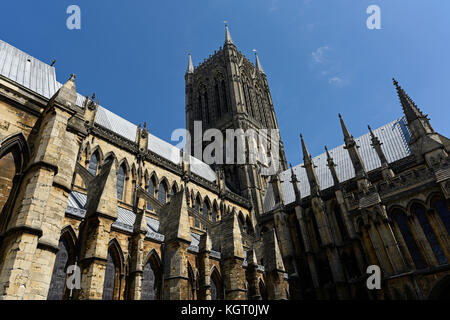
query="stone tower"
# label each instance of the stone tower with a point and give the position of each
(227, 91)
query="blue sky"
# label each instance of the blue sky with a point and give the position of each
(319, 57)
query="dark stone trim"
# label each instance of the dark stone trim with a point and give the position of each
(42, 164)
(47, 246)
(86, 261)
(60, 186)
(176, 277)
(23, 229)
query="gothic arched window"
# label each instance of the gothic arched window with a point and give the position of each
(214, 214)
(93, 164)
(162, 193)
(216, 286)
(206, 210)
(151, 282)
(151, 190)
(111, 283)
(7, 173)
(411, 244)
(262, 290)
(121, 182)
(191, 284)
(442, 209)
(63, 259)
(420, 213)
(197, 208)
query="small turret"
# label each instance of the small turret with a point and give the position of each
(352, 148)
(308, 164)
(332, 166)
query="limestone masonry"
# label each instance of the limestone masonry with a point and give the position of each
(144, 220)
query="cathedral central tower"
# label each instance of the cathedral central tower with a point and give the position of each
(227, 91)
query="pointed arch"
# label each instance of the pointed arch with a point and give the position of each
(14, 157)
(152, 277)
(124, 162)
(18, 146)
(154, 177)
(66, 256)
(191, 288)
(96, 160)
(207, 207)
(163, 190)
(216, 282)
(123, 174)
(111, 156)
(113, 272)
(215, 215)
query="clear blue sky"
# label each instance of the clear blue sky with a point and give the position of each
(319, 57)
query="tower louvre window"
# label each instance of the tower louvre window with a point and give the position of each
(217, 97)
(224, 96)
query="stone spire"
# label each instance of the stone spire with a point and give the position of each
(228, 39)
(348, 138)
(332, 166)
(277, 190)
(412, 112)
(376, 144)
(308, 164)
(352, 148)
(294, 182)
(258, 63)
(386, 172)
(190, 68)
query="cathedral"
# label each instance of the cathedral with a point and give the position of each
(95, 207)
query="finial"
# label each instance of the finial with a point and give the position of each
(53, 63)
(72, 77)
(257, 62)
(228, 39)
(190, 68)
(93, 96)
